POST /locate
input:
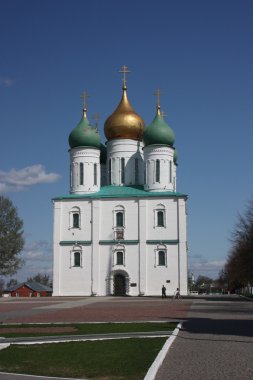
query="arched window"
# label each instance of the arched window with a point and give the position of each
(77, 259)
(122, 170)
(95, 175)
(75, 217)
(75, 220)
(160, 218)
(119, 219)
(157, 171)
(119, 258)
(81, 173)
(161, 258)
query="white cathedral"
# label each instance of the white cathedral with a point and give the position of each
(122, 228)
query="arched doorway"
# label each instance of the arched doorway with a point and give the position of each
(119, 285)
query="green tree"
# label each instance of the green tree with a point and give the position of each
(11, 283)
(203, 284)
(43, 279)
(11, 238)
(239, 264)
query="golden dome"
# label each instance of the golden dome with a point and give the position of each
(124, 122)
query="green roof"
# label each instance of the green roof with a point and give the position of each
(159, 133)
(123, 192)
(84, 135)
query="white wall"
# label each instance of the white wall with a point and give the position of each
(97, 222)
(88, 157)
(164, 154)
(130, 150)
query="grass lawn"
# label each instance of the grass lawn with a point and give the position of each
(112, 359)
(83, 328)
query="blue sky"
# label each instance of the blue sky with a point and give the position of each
(198, 52)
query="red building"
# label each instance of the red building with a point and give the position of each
(29, 289)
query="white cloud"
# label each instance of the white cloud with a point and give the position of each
(6, 82)
(210, 268)
(19, 180)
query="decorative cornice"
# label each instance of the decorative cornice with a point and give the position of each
(105, 242)
(162, 241)
(75, 242)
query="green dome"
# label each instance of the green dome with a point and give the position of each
(158, 132)
(84, 135)
(103, 154)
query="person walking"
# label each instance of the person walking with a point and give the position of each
(177, 294)
(163, 292)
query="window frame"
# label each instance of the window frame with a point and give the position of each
(76, 249)
(161, 248)
(74, 210)
(76, 220)
(115, 250)
(159, 208)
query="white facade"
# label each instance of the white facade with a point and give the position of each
(122, 228)
(143, 241)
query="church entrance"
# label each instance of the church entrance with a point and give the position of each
(119, 285)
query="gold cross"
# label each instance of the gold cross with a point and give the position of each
(96, 117)
(158, 93)
(124, 70)
(84, 96)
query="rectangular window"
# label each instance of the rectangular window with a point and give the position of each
(160, 219)
(81, 173)
(136, 168)
(120, 258)
(77, 259)
(161, 258)
(119, 219)
(75, 220)
(110, 172)
(170, 172)
(145, 174)
(157, 170)
(95, 175)
(122, 170)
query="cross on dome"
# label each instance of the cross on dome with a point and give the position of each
(84, 96)
(125, 71)
(158, 94)
(96, 118)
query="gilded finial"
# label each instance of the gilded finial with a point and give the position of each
(158, 93)
(124, 70)
(96, 117)
(84, 96)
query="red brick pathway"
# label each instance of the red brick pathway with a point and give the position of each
(96, 310)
